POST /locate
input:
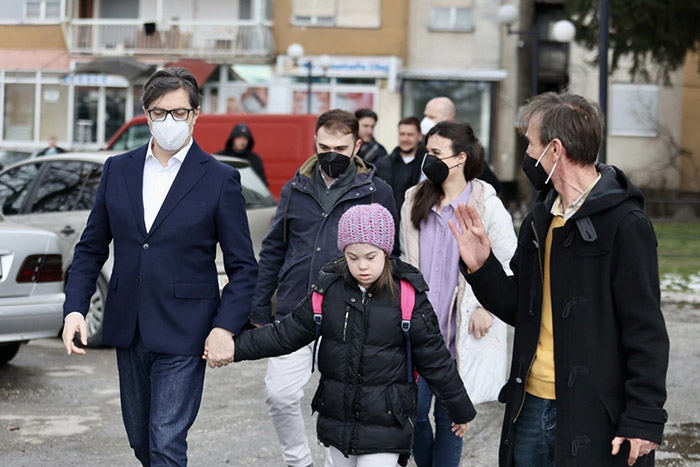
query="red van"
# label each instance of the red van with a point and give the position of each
(283, 142)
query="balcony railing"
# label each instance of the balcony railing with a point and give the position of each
(201, 38)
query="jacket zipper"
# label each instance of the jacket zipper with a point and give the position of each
(532, 361)
(345, 325)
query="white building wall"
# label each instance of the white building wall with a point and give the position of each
(645, 159)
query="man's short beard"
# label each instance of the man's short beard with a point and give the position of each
(409, 152)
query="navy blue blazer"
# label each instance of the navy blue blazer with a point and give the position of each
(166, 280)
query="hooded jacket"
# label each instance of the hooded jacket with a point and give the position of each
(303, 236)
(610, 340)
(364, 400)
(253, 159)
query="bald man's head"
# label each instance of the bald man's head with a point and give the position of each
(437, 109)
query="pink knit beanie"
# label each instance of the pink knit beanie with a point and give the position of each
(367, 223)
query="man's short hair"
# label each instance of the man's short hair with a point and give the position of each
(364, 113)
(338, 121)
(575, 120)
(410, 121)
(171, 79)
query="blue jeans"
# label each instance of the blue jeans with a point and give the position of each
(445, 449)
(160, 397)
(535, 431)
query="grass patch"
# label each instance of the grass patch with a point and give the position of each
(679, 252)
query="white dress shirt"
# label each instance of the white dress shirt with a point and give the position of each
(157, 181)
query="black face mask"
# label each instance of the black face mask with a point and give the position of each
(435, 169)
(535, 173)
(333, 164)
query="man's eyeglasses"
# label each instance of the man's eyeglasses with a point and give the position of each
(158, 115)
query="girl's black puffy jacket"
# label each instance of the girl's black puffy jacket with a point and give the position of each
(364, 400)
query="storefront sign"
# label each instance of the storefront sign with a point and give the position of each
(89, 79)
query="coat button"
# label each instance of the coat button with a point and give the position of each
(389, 412)
(519, 380)
(352, 300)
(318, 248)
(145, 246)
(137, 279)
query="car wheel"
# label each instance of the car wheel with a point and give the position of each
(96, 314)
(8, 352)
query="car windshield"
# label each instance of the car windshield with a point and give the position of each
(134, 137)
(255, 192)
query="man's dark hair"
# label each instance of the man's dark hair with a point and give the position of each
(576, 121)
(171, 79)
(410, 121)
(338, 121)
(364, 113)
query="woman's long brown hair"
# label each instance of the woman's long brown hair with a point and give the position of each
(463, 140)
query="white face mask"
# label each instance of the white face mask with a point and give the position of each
(426, 125)
(171, 134)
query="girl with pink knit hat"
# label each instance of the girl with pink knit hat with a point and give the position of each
(367, 349)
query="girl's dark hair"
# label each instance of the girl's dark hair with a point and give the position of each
(463, 140)
(385, 282)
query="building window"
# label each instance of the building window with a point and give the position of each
(634, 109)
(42, 10)
(338, 13)
(451, 19)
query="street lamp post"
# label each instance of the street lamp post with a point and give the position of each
(562, 31)
(295, 52)
(603, 43)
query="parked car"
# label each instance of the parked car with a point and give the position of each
(56, 193)
(283, 141)
(31, 286)
(9, 156)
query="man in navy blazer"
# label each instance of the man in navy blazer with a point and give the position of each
(165, 206)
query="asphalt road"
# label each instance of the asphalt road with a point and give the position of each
(57, 410)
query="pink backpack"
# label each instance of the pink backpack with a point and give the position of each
(408, 300)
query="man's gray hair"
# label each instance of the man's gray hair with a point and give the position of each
(576, 121)
(171, 79)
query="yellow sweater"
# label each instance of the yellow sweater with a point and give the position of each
(540, 381)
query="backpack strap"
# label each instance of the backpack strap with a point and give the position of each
(317, 305)
(408, 301)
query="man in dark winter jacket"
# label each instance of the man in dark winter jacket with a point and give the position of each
(371, 150)
(240, 144)
(302, 238)
(402, 168)
(591, 349)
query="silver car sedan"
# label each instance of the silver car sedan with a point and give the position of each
(56, 193)
(31, 286)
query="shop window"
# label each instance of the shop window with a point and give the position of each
(634, 109)
(339, 13)
(473, 102)
(54, 114)
(19, 112)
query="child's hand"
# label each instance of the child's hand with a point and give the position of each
(460, 429)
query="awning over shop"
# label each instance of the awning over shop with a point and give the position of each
(458, 75)
(34, 60)
(127, 67)
(199, 68)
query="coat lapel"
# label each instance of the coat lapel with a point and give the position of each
(133, 173)
(193, 168)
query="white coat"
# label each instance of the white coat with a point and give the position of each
(482, 363)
